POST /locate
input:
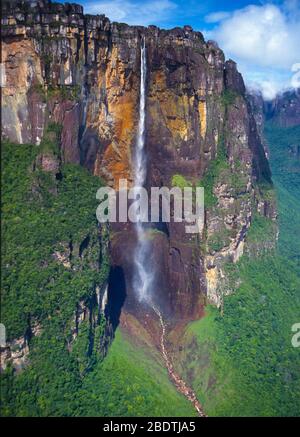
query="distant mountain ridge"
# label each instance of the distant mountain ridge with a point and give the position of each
(284, 110)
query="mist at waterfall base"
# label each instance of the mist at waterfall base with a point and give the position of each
(144, 272)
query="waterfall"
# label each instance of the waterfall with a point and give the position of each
(143, 273)
(140, 160)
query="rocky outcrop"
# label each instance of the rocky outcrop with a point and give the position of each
(92, 252)
(93, 312)
(82, 72)
(16, 352)
(257, 105)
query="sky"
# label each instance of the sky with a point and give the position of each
(263, 37)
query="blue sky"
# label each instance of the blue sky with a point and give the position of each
(166, 13)
(262, 36)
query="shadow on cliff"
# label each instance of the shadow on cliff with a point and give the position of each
(116, 295)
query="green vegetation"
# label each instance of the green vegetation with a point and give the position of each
(247, 363)
(130, 382)
(63, 92)
(242, 363)
(180, 182)
(41, 215)
(40, 90)
(228, 97)
(237, 179)
(262, 228)
(211, 176)
(286, 175)
(51, 140)
(151, 233)
(218, 169)
(219, 239)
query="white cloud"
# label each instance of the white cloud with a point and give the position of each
(216, 17)
(265, 42)
(131, 12)
(261, 34)
(270, 85)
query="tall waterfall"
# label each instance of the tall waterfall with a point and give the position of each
(143, 273)
(140, 160)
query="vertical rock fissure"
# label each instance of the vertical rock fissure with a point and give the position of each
(144, 272)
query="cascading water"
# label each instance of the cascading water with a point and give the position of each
(143, 276)
(144, 271)
(140, 169)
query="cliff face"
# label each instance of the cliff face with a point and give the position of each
(285, 109)
(82, 72)
(282, 113)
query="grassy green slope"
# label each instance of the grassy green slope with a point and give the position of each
(130, 382)
(243, 364)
